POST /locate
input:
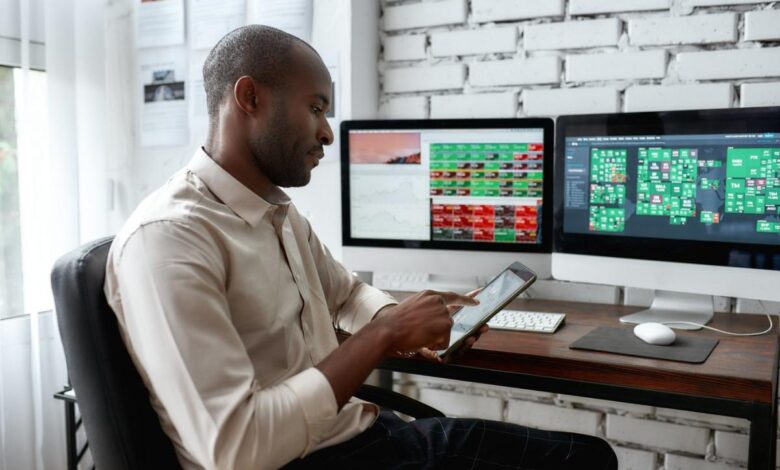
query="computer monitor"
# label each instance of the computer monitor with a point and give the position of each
(679, 202)
(457, 199)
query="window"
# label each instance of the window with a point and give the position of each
(11, 277)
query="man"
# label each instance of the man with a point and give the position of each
(227, 300)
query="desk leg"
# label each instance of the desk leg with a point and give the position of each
(70, 435)
(763, 440)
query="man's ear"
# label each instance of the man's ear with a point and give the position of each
(250, 96)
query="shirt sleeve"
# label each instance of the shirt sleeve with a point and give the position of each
(352, 302)
(171, 285)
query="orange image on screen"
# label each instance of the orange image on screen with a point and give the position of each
(385, 148)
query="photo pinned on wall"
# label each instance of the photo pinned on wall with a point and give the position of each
(164, 104)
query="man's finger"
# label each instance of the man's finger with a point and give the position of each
(453, 298)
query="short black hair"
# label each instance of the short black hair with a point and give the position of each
(262, 52)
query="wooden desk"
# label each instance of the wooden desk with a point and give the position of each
(738, 379)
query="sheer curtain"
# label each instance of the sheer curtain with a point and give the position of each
(64, 198)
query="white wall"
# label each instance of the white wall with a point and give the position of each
(508, 58)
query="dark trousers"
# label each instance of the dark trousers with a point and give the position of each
(452, 443)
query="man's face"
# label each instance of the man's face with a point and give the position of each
(290, 144)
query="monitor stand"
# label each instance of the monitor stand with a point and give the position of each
(675, 306)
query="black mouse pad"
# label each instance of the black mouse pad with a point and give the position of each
(686, 348)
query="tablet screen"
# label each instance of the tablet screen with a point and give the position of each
(491, 298)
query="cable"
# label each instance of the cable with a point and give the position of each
(768, 317)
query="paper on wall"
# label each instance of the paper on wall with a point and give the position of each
(160, 23)
(292, 16)
(210, 20)
(163, 97)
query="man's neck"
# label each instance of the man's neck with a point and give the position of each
(237, 160)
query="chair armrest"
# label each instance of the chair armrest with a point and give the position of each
(395, 401)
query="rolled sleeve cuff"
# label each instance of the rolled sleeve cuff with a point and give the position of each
(318, 403)
(368, 302)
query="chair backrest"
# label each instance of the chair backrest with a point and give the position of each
(123, 430)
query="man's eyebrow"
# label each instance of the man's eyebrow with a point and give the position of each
(323, 98)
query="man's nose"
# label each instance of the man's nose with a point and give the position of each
(325, 133)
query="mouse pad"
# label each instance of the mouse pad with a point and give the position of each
(685, 348)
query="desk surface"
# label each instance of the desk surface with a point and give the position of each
(741, 368)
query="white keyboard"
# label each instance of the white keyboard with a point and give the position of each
(400, 281)
(516, 320)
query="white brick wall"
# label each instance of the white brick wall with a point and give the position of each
(657, 434)
(481, 105)
(680, 462)
(461, 58)
(515, 72)
(572, 34)
(502, 10)
(697, 29)
(731, 446)
(571, 101)
(589, 7)
(616, 66)
(438, 77)
(668, 97)
(762, 25)
(405, 107)
(407, 47)
(635, 459)
(736, 63)
(553, 418)
(462, 405)
(477, 41)
(418, 15)
(760, 94)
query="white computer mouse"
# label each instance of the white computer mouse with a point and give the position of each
(655, 333)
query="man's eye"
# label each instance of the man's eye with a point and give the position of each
(316, 109)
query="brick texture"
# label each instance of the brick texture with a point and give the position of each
(477, 41)
(538, 415)
(503, 10)
(616, 66)
(572, 34)
(669, 97)
(515, 72)
(406, 47)
(418, 15)
(760, 94)
(590, 7)
(481, 105)
(697, 29)
(657, 434)
(571, 101)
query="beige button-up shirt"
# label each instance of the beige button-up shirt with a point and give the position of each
(226, 302)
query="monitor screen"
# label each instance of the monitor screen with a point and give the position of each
(698, 187)
(477, 184)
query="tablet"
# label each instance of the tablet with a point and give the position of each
(467, 320)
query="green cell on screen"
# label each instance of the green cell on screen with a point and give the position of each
(520, 184)
(519, 193)
(504, 235)
(477, 192)
(492, 192)
(505, 157)
(492, 166)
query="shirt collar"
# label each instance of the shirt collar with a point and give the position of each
(240, 199)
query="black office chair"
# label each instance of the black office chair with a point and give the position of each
(122, 428)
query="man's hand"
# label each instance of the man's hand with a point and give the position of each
(421, 321)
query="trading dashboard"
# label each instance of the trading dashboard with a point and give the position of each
(446, 185)
(705, 187)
